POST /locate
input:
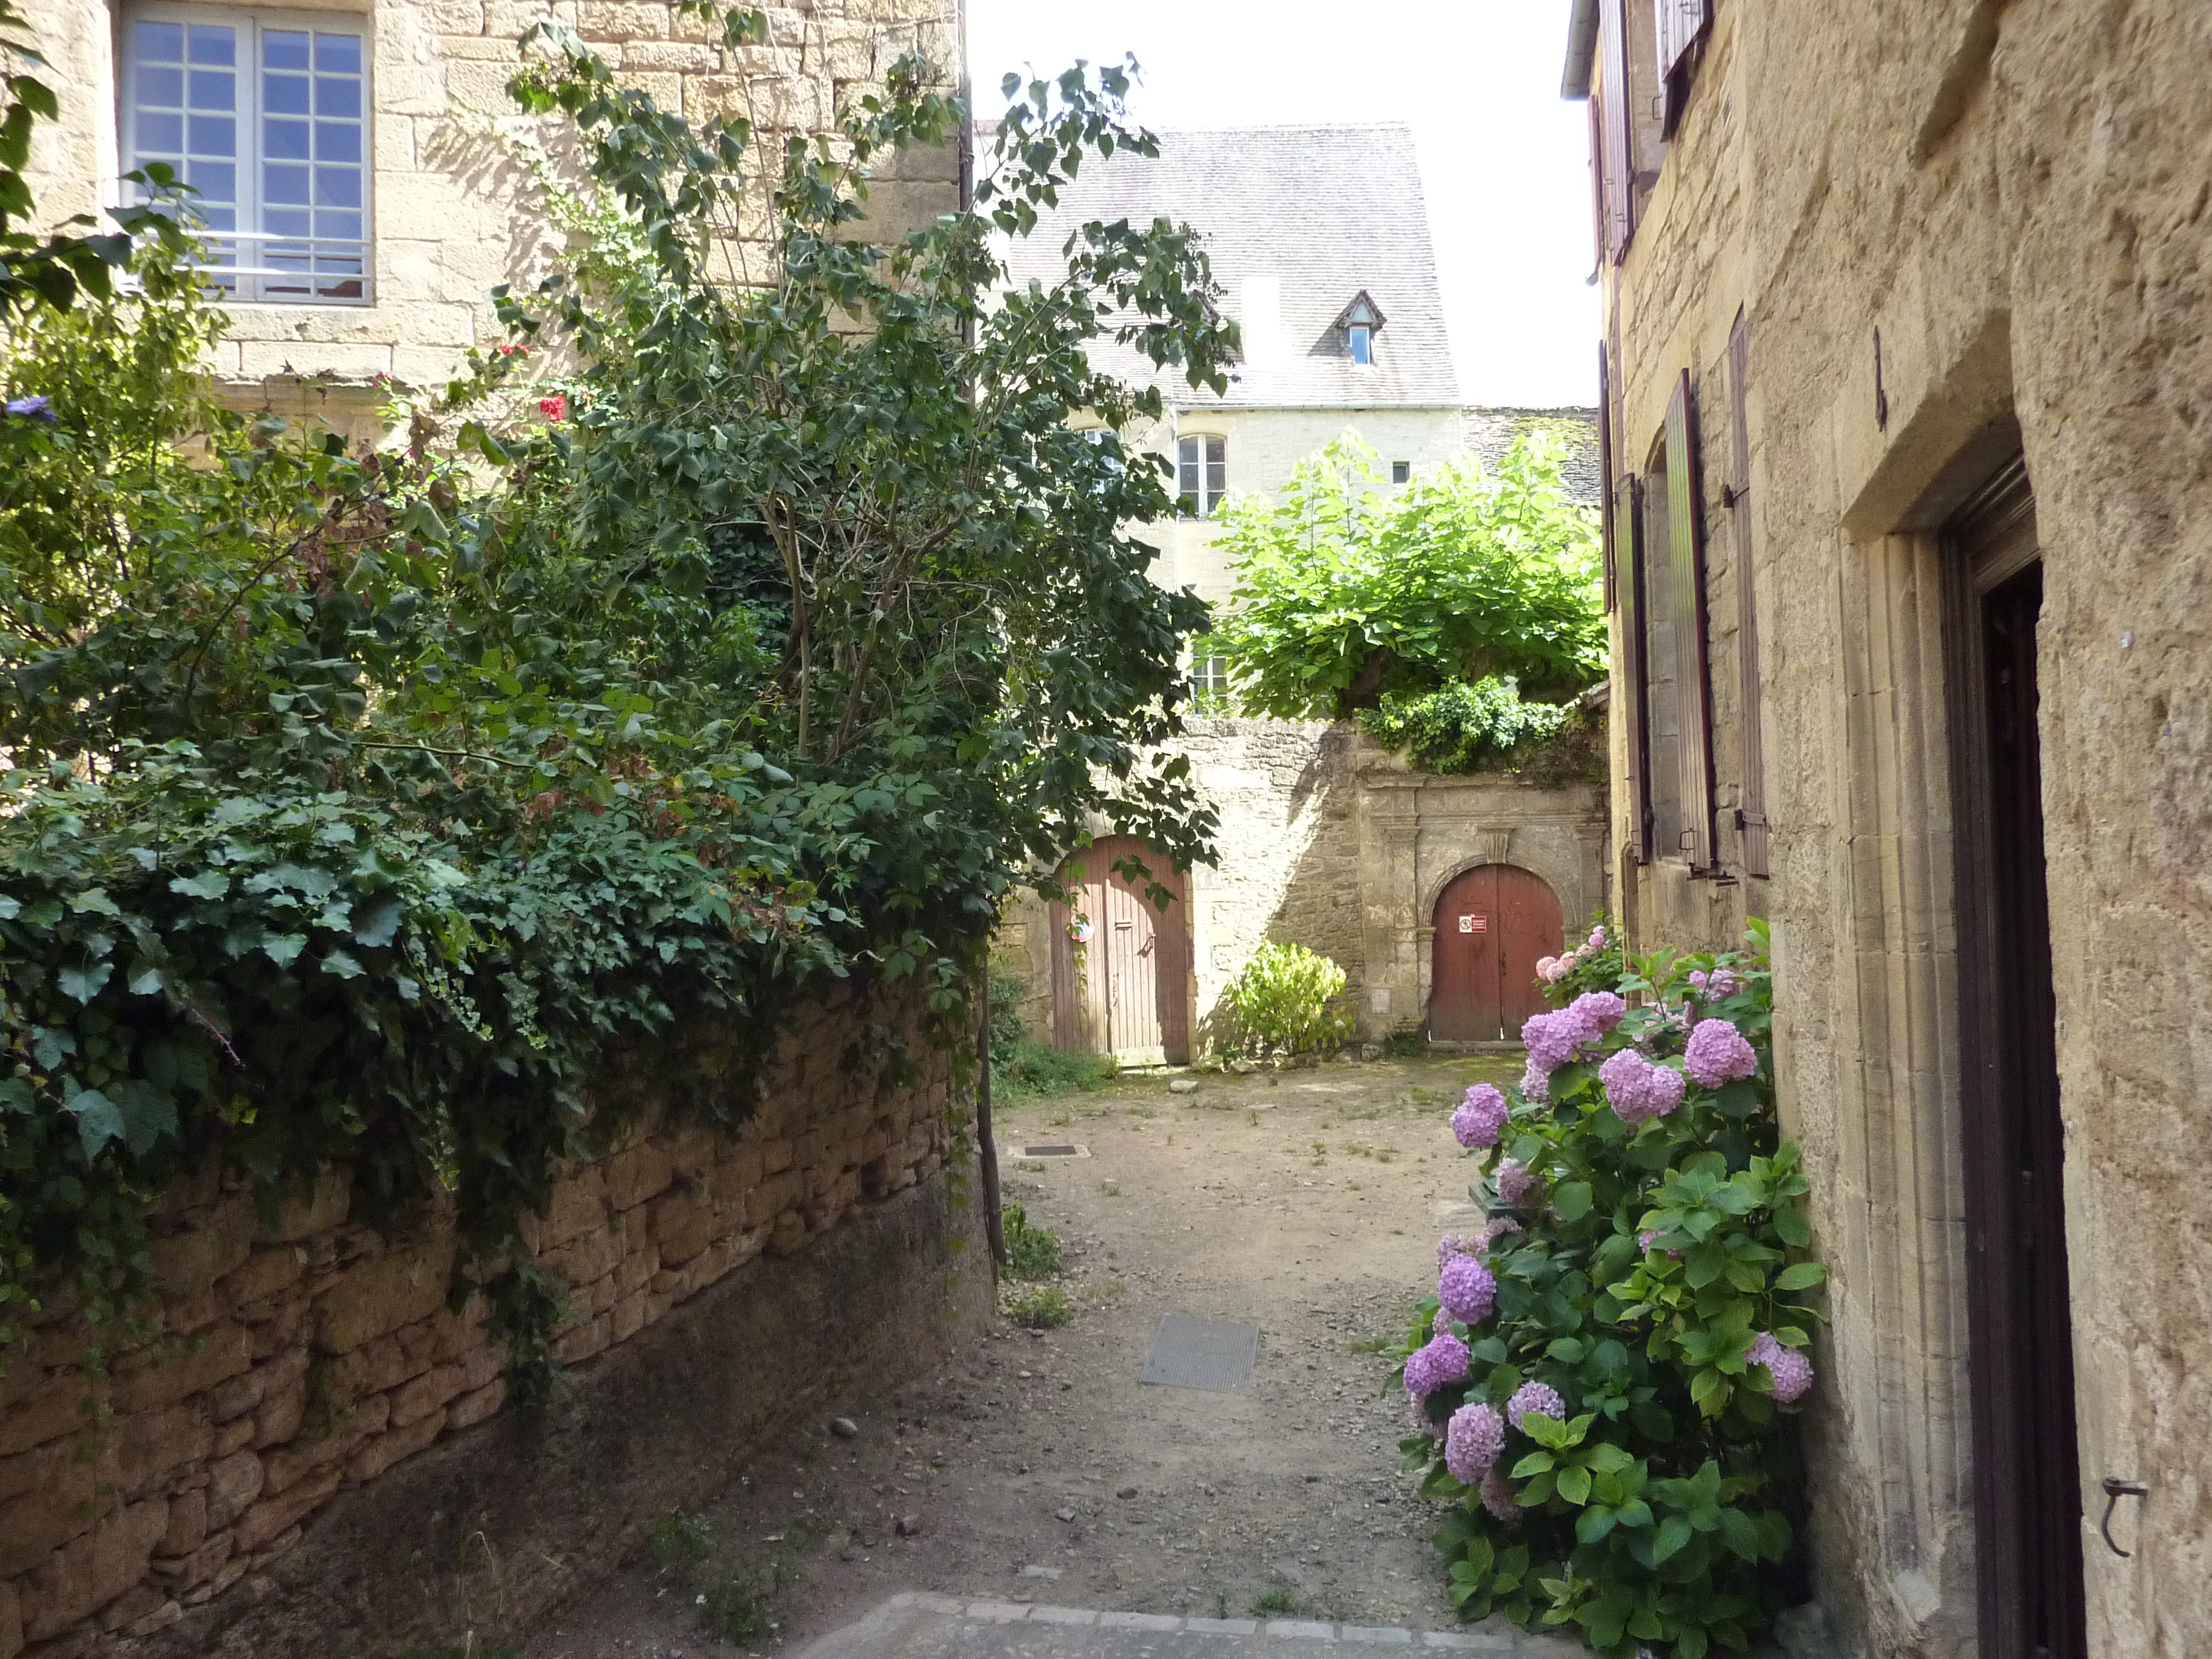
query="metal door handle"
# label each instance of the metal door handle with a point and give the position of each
(2115, 1490)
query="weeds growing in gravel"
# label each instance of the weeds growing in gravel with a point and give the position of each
(1042, 1308)
(1031, 1252)
(1273, 1599)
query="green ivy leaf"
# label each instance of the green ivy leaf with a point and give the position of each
(99, 1121)
(84, 983)
(1800, 1276)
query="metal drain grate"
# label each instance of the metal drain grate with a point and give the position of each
(1054, 1151)
(1188, 1352)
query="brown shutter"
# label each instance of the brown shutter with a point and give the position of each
(1685, 612)
(1612, 120)
(1751, 816)
(1681, 23)
(1599, 173)
(1629, 693)
(1604, 469)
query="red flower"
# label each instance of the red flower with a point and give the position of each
(553, 408)
(513, 350)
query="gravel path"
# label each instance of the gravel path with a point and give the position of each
(1033, 1467)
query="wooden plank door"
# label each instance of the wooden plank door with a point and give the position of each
(1121, 966)
(1492, 923)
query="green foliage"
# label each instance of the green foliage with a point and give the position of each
(1044, 1309)
(1280, 1001)
(1650, 1258)
(1347, 592)
(681, 1540)
(1275, 1599)
(361, 804)
(1459, 727)
(1037, 1071)
(1031, 1251)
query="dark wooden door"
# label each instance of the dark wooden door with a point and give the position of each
(2026, 1463)
(1120, 968)
(1492, 923)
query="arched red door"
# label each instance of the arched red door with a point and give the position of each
(1492, 923)
(1123, 988)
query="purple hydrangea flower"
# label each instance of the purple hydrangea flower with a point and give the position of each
(1480, 1118)
(1597, 939)
(1452, 1244)
(1596, 1012)
(1443, 1359)
(33, 409)
(1538, 1397)
(1552, 1039)
(1466, 1291)
(1638, 1088)
(1515, 1182)
(1498, 1495)
(1717, 1054)
(1496, 1228)
(1472, 1439)
(1791, 1371)
(1535, 1081)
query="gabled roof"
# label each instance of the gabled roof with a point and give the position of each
(1298, 221)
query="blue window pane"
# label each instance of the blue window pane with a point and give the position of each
(284, 49)
(217, 216)
(214, 46)
(162, 43)
(338, 141)
(337, 226)
(339, 98)
(284, 95)
(214, 90)
(161, 134)
(285, 185)
(338, 54)
(214, 135)
(216, 181)
(284, 140)
(163, 89)
(337, 188)
(285, 222)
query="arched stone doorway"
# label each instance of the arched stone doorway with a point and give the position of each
(1122, 988)
(1492, 923)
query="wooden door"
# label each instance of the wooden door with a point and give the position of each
(2027, 1481)
(1492, 923)
(1120, 967)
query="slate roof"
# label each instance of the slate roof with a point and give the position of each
(1297, 221)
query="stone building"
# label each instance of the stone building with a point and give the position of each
(1910, 527)
(1320, 237)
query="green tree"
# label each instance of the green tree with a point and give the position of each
(1347, 592)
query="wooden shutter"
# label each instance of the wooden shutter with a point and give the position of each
(1616, 171)
(1629, 700)
(1681, 24)
(1684, 613)
(1751, 816)
(1605, 469)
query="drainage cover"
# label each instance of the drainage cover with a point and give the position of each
(1188, 1353)
(1054, 1151)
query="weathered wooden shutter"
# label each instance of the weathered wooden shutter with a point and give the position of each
(1750, 816)
(1680, 23)
(1616, 169)
(1604, 469)
(1684, 610)
(1629, 700)
(1599, 173)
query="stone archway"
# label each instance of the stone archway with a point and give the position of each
(1492, 924)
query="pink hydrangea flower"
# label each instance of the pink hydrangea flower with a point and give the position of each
(1552, 969)
(1597, 938)
(1638, 1088)
(1515, 1181)
(1466, 1290)
(1479, 1117)
(1472, 1439)
(1496, 1228)
(1498, 1495)
(1791, 1371)
(1444, 1358)
(1717, 1054)
(1535, 1082)
(1539, 1397)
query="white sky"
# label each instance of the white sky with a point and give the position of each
(1504, 160)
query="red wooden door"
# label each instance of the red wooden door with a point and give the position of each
(1120, 967)
(1492, 923)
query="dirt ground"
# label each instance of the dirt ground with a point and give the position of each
(1034, 1465)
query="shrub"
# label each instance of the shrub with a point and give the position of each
(1281, 1000)
(1603, 1377)
(1037, 1071)
(1596, 964)
(1044, 1309)
(1031, 1252)
(1460, 726)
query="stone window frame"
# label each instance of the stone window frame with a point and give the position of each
(1202, 458)
(251, 21)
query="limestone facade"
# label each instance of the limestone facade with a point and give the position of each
(1950, 230)
(449, 210)
(303, 1354)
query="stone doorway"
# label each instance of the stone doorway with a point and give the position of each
(1120, 967)
(1492, 923)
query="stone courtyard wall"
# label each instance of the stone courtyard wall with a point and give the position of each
(305, 1357)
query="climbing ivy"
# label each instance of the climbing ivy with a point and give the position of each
(358, 803)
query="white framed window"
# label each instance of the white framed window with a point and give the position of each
(1360, 337)
(265, 114)
(1209, 685)
(1360, 321)
(1202, 475)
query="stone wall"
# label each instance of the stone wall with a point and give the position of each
(2012, 198)
(450, 211)
(307, 1360)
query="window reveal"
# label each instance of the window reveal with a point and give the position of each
(1202, 475)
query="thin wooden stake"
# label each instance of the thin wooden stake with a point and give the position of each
(994, 1227)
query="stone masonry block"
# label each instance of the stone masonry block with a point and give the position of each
(272, 1518)
(579, 1204)
(153, 1445)
(189, 1262)
(264, 1273)
(682, 1225)
(233, 1482)
(395, 1444)
(85, 1574)
(474, 1406)
(406, 1285)
(163, 1375)
(639, 1173)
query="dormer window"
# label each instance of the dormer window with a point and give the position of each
(1359, 325)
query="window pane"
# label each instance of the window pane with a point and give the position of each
(285, 141)
(214, 90)
(336, 97)
(216, 181)
(337, 188)
(1361, 350)
(338, 54)
(338, 141)
(284, 49)
(211, 44)
(161, 134)
(163, 89)
(285, 222)
(283, 184)
(214, 135)
(337, 226)
(284, 95)
(160, 43)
